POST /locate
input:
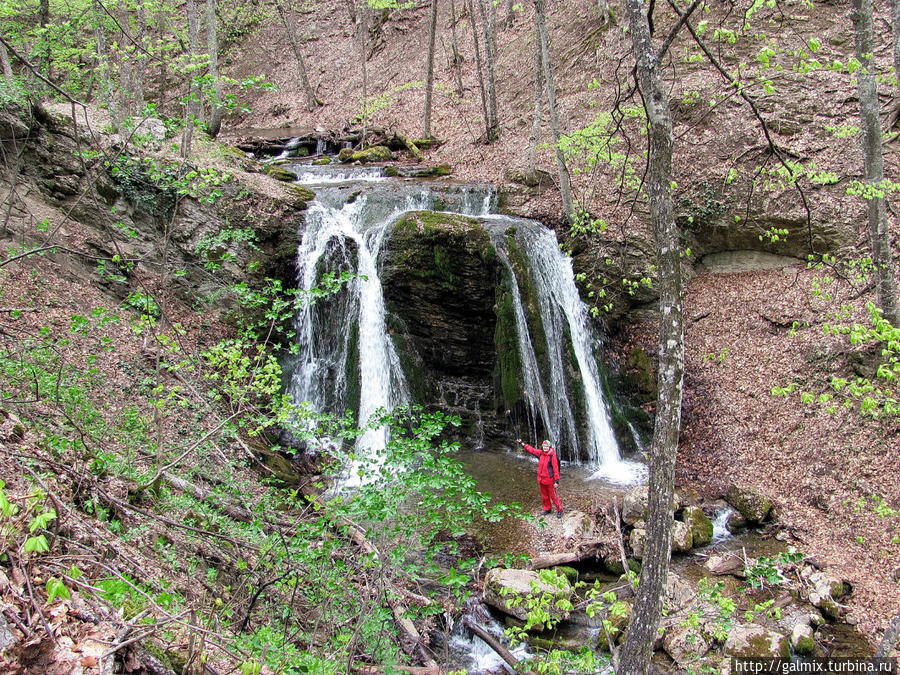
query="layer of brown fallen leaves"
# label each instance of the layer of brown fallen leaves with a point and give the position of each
(825, 471)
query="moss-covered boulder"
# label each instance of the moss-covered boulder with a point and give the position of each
(751, 504)
(346, 155)
(700, 525)
(280, 173)
(803, 639)
(302, 194)
(753, 641)
(509, 590)
(377, 153)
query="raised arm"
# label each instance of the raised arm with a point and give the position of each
(534, 451)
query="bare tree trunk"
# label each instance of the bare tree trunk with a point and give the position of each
(363, 28)
(429, 70)
(489, 44)
(102, 53)
(44, 13)
(212, 45)
(540, 25)
(126, 69)
(140, 60)
(5, 64)
(290, 27)
(191, 109)
(457, 59)
(895, 20)
(484, 106)
(161, 31)
(538, 106)
(869, 110)
(642, 631)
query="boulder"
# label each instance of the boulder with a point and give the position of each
(618, 624)
(152, 128)
(377, 153)
(679, 592)
(636, 540)
(700, 525)
(576, 525)
(753, 641)
(826, 590)
(685, 644)
(735, 522)
(752, 505)
(719, 565)
(509, 589)
(802, 638)
(280, 173)
(682, 540)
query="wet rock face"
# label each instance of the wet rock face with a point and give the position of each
(440, 276)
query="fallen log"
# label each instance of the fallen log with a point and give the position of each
(494, 644)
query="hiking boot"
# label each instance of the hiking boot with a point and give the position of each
(546, 512)
(559, 514)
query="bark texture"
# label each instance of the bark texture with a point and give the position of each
(489, 62)
(869, 111)
(212, 46)
(642, 631)
(429, 70)
(192, 109)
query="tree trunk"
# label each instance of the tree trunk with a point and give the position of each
(869, 111)
(362, 18)
(494, 125)
(484, 106)
(102, 54)
(44, 13)
(642, 631)
(126, 68)
(457, 59)
(191, 109)
(429, 70)
(212, 45)
(540, 26)
(5, 65)
(290, 27)
(895, 20)
(140, 58)
(538, 106)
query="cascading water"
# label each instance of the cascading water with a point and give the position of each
(345, 231)
(565, 325)
(347, 358)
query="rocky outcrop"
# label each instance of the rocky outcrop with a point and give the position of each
(699, 524)
(751, 505)
(753, 641)
(509, 590)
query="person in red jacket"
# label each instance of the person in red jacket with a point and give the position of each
(547, 475)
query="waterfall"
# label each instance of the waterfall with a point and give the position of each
(347, 359)
(345, 231)
(565, 325)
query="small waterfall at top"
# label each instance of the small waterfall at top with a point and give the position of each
(347, 358)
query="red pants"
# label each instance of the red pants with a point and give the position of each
(548, 495)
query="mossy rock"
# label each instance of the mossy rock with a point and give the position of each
(752, 505)
(391, 171)
(322, 161)
(280, 173)
(346, 155)
(302, 194)
(377, 153)
(438, 170)
(753, 641)
(700, 525)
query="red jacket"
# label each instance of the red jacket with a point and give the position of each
(548, 465)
